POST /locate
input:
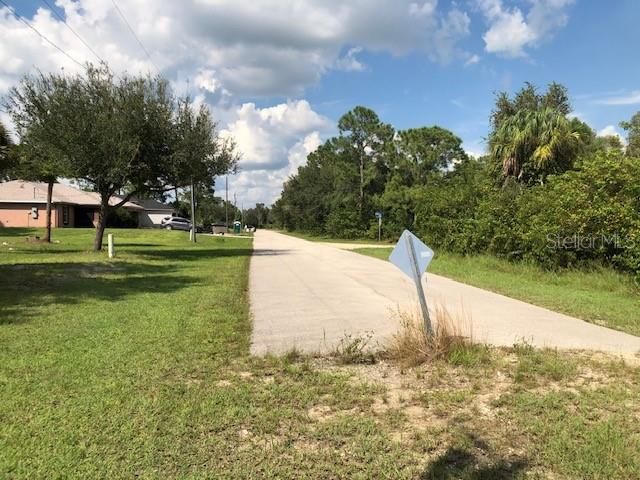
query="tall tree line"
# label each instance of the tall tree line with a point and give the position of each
(369, 167)
(546, 184)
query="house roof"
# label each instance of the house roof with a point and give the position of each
(19, 191)
(151, 204)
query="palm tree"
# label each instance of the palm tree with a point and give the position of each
(533, 144)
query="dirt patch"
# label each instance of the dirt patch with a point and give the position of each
(320, 413)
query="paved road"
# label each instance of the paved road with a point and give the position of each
(309, 295)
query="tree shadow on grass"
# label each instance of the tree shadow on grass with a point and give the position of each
(205, 253)
(16, 232)
(24, 287)
(132, 244)
(474, 463)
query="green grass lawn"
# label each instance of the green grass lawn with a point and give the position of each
(139, 367)
(600, 296)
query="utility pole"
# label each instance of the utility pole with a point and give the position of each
(235, 205)
(226, 202)
(193, 212)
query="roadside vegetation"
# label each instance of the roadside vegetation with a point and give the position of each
(312, 237)
(549, 191)
(599, 295)
(140, 366)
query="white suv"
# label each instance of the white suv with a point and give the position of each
(176, 223)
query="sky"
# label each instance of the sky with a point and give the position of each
(279, 74)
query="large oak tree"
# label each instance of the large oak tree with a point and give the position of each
(118, 135)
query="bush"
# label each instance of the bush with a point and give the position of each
(589, 214)
(344, 223)
(585, 215)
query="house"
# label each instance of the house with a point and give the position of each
(153, 212)
(23, 204)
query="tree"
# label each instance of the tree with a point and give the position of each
(37, 157)
(633, 135)
(257, 216)
(40, 162)
(5, 150)
(422, 154)
(429, 149)
(530, 145)
(309, 195)
(528, 99)
(607, 143)
(365, 138)
(528, 121)
(199, 154)
(118, 135)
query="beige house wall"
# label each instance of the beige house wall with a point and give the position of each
(22, 216)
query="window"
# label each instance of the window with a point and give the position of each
(65, 215)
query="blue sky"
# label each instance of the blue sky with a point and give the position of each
(278, 74)
(593, 56)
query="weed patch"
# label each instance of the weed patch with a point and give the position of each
(412, 345)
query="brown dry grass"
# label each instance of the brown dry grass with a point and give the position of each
(411, 346)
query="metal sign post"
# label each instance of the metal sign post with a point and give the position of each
(413, 257)
(417, 278)
(379, 216)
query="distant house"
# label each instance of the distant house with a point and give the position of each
(23, 204)
(153, 212)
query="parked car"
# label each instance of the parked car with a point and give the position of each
(176, 223)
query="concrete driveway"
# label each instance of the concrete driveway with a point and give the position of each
(309, 296)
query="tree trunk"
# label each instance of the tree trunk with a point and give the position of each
(102, 223)
(47, 235)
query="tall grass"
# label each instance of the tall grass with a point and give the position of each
(412, 346)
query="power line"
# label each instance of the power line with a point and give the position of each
(134, 35)
(40, 34)
(63, 20)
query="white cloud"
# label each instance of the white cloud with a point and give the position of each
(223, 52)
(257, 48)
(274, 142)
(472, 60)
(426, 9)
(511, 31)
(476, 148)
(632, 98)
(611, 131)
(265, 185)
(349, 62)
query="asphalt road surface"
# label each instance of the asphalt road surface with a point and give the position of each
(310, 296)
